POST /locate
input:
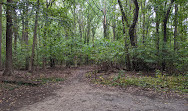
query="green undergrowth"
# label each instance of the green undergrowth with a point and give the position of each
(12, 86)
(7, 86)
(49, 79)
(160, 82)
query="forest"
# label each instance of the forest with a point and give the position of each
(130, 35)
(147, 38)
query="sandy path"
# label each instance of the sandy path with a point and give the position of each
(77, 95)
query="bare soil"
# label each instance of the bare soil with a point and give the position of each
(78, 94)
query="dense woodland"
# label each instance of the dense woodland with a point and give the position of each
(134, 35)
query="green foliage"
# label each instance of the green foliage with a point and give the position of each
(64, 27)
(160, 82)
(7, 86)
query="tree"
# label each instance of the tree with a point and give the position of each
(132, 27)
(34, 38)
(131, 31)
(114, 24)
(26, 35)
(15, 32)
(48, 4)
(0, 34)
(8, 64)
(165, 20)
(93, 31)
(105, 26)
(176, 27)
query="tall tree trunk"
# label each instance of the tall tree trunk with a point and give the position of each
(143, 32)
(88, 28)
(48, 4)
(165, 35)
(93, 37)
(0, 34)
(15, 31)
(157, 36)
(132, 33)
(8, 65)
(143, 24)
(34, 38)
(127, 57)
(133, 25)
(176, 27)
(45, 36)
(44, 46)
(80, 22)
(23, 25)
(114, 25)
(27, 37)
(80, 29)
(123, 13)
(105, 21)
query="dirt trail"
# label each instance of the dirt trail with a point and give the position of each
(78, 95)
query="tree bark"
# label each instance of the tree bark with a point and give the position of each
(93, 37)
(0, 34)
(127, 58)
(123, 13)
(176, 28)
(34, 38)
(132, 32)
(23, 25)
(157, 38)
(105, 21)
(27, 37)
(8, 64)
(132, 27)
(80, 29)
(143, 24)
(114, 25)
(88, 28)
(165, 22)
(165, 34)
(15, 33)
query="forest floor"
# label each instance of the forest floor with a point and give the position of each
(78, 93)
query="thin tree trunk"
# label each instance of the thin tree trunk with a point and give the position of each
(34, 38)
(0, 34)
(114, 25)
(26, 37)
(176, 28)
(123, 13)
(165, 35)
(80, 29)
(15, 31)
(23, 25)
(127, 58)
(93, 37)
(8, 64)
(45, 36)
(143, 28)
(132, 27)
(88, 28)
(157, 36)
(132, 32)
(105, 21)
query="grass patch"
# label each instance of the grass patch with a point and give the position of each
(160, 82)
(7, 86)
(50, 79)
